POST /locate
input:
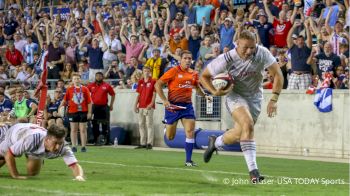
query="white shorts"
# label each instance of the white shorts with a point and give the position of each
(234, 101)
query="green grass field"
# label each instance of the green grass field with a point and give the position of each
(120, 171)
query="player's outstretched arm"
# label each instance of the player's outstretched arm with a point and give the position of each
(278, 80)
(77, 172)
(11, 165)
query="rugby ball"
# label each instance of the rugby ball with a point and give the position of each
(221, 81)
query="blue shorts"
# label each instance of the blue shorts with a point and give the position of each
(188, 113)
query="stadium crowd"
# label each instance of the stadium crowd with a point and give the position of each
(308, 38)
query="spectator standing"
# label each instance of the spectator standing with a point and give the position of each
(71, 52)
(133, 48)
(205, 48)
(337, 35)
(226, 31)
(156, 63)
(281, 25)
(56, 54)
(265, 29)
(13, 56)
(113, 45)
(10, 26)
(203, 12)
(194, 37)
(29, 49)
(95, 54)
(325, 61)
(331, 11)
(300, 52)
(19, 42)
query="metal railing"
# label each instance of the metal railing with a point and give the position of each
(208, 110)
(31, 85)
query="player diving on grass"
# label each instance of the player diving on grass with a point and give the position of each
(245, 64)
(36, 143)
(178, 106)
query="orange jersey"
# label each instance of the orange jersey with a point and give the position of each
(180, 83)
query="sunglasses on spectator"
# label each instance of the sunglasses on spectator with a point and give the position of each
(58, 91)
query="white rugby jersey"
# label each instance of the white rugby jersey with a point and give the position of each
(28, 139)
(247, 74)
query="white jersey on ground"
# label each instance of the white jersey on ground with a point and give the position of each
(247, 74)
(28, 139)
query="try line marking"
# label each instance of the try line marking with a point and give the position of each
(183, 169)
(41, 190)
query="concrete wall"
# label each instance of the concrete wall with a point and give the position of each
(298, 125)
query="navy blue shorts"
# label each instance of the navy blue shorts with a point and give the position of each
(171, 117)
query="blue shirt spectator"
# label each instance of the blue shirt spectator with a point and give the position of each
(203, 11)
(5, 104)
(95, 57)
(226, 34)
(334, 15)
(265, 29)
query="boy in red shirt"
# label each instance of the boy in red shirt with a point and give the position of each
(78, 99)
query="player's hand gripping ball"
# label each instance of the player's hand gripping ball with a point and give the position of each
(222, 81)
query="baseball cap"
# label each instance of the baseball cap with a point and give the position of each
(228, 19)
(261, 13)
(341, 21)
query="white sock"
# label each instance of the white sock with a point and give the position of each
(189, 140)
(219, 142)
(249, 152)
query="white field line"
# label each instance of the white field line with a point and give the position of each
(290, 157)
(41, 190)
(185, 169)
(35, 190)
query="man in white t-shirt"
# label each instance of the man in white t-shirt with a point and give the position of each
(245, 64)
(36, 143)
(113, 43)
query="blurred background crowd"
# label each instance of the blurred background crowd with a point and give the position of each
(309, 38)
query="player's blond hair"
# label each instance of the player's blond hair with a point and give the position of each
(247, 35)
